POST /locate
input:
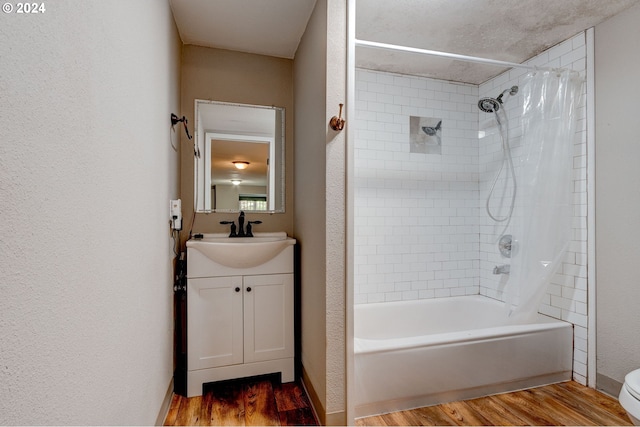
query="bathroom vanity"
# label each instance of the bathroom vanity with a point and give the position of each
(240, 308)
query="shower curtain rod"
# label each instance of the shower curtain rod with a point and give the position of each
(387, 46)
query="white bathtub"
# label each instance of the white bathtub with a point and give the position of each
(419, 353)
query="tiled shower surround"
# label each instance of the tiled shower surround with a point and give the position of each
(421, 229)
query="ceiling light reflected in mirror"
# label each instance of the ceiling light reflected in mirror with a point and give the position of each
(240, 164)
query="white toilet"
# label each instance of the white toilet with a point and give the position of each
(630, 396)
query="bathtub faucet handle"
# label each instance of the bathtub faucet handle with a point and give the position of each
(502, 269)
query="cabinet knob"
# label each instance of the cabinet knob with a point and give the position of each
(249, 289)
(237, 289)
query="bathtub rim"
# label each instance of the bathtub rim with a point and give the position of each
(370, 346)
(539, 322)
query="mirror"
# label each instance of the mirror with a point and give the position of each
(241, 162)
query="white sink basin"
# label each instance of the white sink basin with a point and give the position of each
(241, 252)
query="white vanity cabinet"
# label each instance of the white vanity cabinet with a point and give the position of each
(240, 321)
(215, 322)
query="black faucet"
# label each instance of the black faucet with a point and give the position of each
(241, 224)
(233, 228)
(240, 229)
(249, 232)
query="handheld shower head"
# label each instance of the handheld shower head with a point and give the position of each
(491, 105)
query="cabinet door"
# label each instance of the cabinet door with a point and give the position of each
(268, 317)
(214, 322)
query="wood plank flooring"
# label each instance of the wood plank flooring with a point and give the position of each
(264, 401)
(259, 401)
(554, 405)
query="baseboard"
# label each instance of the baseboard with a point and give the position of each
(608, 385)
(316, 404)
(333, 419)
(336, 419)
(166, 404)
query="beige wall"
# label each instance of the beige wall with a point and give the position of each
(310, 199)
(320, 75)
(86, 174)
(617, 73)
(229, 76)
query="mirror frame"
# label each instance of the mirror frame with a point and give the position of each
(202, 164)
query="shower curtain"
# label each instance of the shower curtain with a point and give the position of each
(542, 218)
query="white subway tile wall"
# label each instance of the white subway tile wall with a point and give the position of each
(417, 225)
(566, 296)
(421, 230)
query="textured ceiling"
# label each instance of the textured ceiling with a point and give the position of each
(507, 30)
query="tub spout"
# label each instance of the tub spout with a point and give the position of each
(501, 269)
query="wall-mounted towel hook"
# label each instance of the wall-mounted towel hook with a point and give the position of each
(337, 123)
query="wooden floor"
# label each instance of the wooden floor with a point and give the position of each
(263, 401)
(258, 401)
(563, 404)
